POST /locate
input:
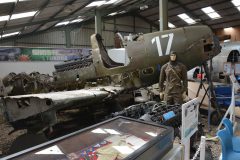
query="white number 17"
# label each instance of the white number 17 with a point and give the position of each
(158, 42)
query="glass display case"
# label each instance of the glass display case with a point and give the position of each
(115, 139)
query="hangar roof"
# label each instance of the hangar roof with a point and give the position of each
(31, 16)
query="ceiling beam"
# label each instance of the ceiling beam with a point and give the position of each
(69, 3)
(72, 13)
(213, 4)
(39, 11)
(10, 15)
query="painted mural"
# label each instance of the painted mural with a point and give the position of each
(42, 54)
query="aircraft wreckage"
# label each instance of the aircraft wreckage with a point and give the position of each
(92, 80)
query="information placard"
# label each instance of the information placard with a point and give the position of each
(189, 118)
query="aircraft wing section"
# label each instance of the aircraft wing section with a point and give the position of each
(24, 106)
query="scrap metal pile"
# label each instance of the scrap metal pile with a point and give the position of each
(153, 111)
(74, 64)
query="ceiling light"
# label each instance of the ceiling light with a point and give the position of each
(10, 34)
(229, 28)
(122, 12)
(214, 15)
(170, 25)
(183, 16)
(144, 7)
(208, 10)
(4, 18)
(77, 20)
(238, 8)
(96, 3)
(62, 23)
(113, 14)
(113, 1)
(23, 15)
(7, 1)
(236, 2)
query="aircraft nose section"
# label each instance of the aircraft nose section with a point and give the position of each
(203, 34)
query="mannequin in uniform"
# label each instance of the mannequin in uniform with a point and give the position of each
(174, 75)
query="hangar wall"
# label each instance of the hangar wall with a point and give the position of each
(233, 31)
(80, 37)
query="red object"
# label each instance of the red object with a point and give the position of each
(200, 76)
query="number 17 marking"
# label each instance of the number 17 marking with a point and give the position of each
(158, 42)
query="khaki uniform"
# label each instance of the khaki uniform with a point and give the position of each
(174, 74)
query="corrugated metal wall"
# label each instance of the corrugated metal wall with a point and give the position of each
(80, 37)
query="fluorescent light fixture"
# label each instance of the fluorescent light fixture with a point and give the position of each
(23, 15)
(144, 7)
(227, 29)
(112, 1)
(10, 34)
(208, 10)
(122, 12)
(214, 15)
(170, 25)
(113, 14)
(183, 16)
(4, 18)
(227, 40)
(96, 3)
(236, 2)
(77, 20)
(62, 23)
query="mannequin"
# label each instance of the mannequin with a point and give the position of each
(174, 75)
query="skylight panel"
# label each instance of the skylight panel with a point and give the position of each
(186, 18)
(236, 2)
(211, 12)
(10, 34)
(23, 15)
(4, 18)
(189, 21)
(214, 15)
(96, 3)
(62, 23)
(208, 10)
(183, 16)
(170, 25)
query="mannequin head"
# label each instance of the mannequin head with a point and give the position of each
(173, 56)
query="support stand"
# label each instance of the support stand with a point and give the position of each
(208, 92)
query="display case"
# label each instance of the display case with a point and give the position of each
(114, 139)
